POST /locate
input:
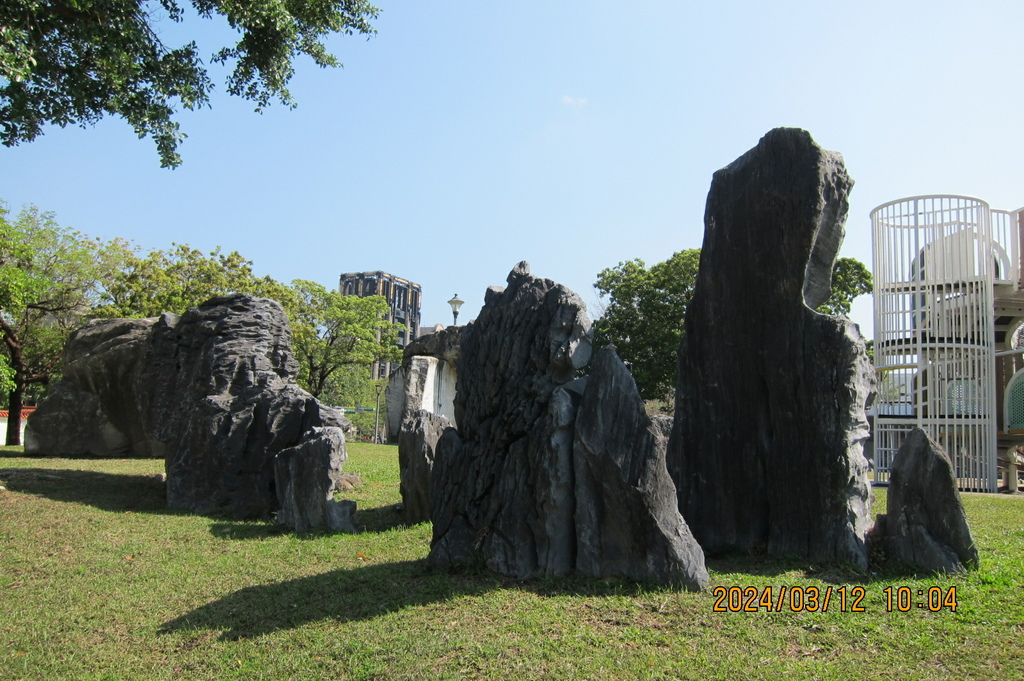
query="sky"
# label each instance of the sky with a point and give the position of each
(467, 136)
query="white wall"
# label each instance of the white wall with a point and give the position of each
(3, 429)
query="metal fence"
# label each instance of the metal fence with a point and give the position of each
(935, 265)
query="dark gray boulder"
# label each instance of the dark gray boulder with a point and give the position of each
(627, 515)
(443, 344)
(502, 487)
(94, 409)
(766, 450)
(417, 445)
(925, 527)
(306, 476)
(228, 404)
(74, 424)
(511, 491)
(212, 392)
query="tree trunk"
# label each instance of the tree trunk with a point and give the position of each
(14, 403)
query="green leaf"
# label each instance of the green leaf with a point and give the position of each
(73, 62)
(850, 278)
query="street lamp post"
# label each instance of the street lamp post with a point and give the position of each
(456, 303)
(376, 417)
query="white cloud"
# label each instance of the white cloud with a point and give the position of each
(574, 101)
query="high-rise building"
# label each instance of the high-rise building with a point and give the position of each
(404, 298)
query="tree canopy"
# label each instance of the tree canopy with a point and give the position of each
(175, 280)
(353, 387)
(331, 331)
(850, 278)
(12, 284)
(643, 317)
(53, 279)
(72, 62)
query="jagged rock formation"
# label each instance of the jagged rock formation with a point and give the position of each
(502, 485)
(766, 449)
(417, 445)
(627, 515)
(505, 487)
(925, 526)
(212, 392)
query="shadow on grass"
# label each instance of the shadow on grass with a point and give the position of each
(369, 521)
(364, 593)
(766, 566)
(381, 518)
(106, 491)
(18, 452)
(119, 492)
(346, 595)
(761, 565)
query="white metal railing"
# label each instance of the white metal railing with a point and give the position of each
(934, 271)
(1006, 246)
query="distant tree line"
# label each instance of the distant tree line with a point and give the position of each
(54, 279)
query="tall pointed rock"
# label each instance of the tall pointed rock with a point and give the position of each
(766, 450)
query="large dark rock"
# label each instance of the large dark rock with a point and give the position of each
(503, 486)
(627, 515)
(925, 527)
(74, 424)
(766, 450)
(228, 404)
(417, 445)
(443, 344)
(520, 486)
(94, 410)
(306, 477)
(212, 392)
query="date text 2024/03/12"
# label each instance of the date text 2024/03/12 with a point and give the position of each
(823, 599)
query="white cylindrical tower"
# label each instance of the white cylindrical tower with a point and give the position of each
(935, 264)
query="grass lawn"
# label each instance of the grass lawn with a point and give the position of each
(98, 580)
